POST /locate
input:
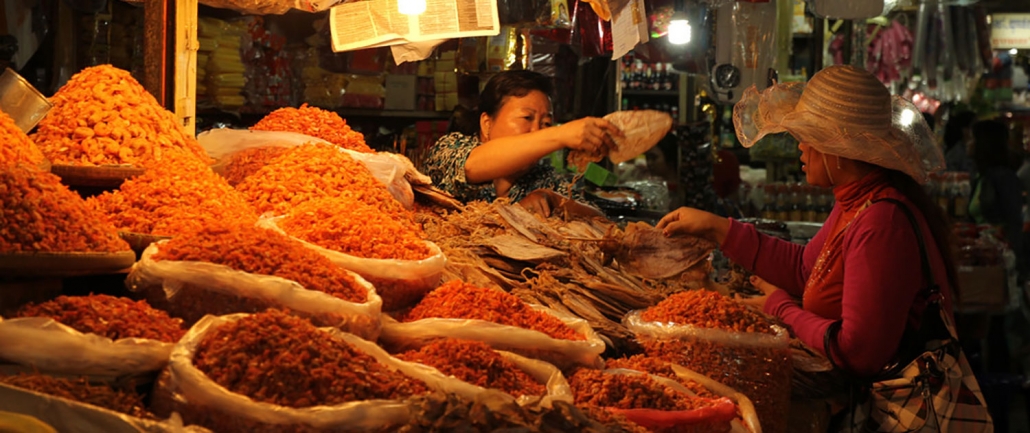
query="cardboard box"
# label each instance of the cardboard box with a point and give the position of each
(982, 288)
(401, 92)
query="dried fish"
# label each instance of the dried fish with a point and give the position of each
(520, 248)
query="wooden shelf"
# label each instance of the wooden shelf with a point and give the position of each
(632, 92)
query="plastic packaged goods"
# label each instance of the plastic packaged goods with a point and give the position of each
(711, 334)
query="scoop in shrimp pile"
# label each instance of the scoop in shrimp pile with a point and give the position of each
(641, 130)
(646, 252)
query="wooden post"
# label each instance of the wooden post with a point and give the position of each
(185, 76)
(155, 49)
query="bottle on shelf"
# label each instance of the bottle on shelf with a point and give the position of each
(670, 79)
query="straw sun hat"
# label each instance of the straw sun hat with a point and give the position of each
(843, 111)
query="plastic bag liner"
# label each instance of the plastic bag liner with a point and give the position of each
(526, 342)
(66, 415)
(191, 289)
(717, 415)
(50, 346)
(192, 391)
(756, 364)
(417, 276)
(221, 144)
(746, 408)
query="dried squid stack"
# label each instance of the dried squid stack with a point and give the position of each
(172, 199)
(103, 116)
(315, 122)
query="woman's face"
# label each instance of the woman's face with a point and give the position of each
(518, 115)
(814, 165)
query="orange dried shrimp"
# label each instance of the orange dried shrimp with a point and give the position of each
(350, 226)
(246, 162)
(260, 251)
(315, 122)
(103, 116)
(172, 199)
(16, 146)
(41, 214)
(313, 171)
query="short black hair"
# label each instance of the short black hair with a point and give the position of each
(956, 123)
(991, 138)
(516, 83)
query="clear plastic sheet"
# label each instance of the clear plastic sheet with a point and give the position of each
(47, 345)
(533, 344)
(192, 289)
(756, 364)
(194, 394)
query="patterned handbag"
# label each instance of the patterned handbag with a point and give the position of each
(934, 391)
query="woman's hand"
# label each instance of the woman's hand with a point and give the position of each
(588, 133)
(687, 221)
(545, 202)
(540, 202)
(758, 301)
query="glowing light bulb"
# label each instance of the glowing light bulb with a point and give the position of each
(679, 29)
(907, 116)
(1014, 51)
(411, 7)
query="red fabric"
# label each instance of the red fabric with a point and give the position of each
(723, 410)
(881, 277)
(824, 289)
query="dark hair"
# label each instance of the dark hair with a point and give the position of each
(953, 129)
(516, 83)
(930, 120)
(936, 220)
(991, 141)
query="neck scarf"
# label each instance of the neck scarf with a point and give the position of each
(824, 289)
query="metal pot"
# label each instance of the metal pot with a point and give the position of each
(21, 101)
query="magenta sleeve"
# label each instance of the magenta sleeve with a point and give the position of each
(775, 260)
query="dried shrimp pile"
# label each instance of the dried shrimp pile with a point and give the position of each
(82, 391)
(628, 391)
(276, 358)
(350, 226)
(171, 199)
(707, 309)
(477, 363)
(41, 214)
(658, 367)
(108, 316)
(458, 300)
(315, 122)
(103, 116)
(17, 148)
(248, 161)
(314, 171)
(260, 251)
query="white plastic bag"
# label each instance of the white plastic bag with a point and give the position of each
(221, 144)
(400, 283)
(192, 391)
(191, 289)
(52, 347)
(526, 342)
(550, 376)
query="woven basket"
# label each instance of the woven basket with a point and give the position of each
(102, 176)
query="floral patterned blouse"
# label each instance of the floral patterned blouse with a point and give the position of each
(445, 163)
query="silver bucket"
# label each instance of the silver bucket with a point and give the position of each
(21, 101)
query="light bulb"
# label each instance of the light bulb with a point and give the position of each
(907, 116)
(411, 7)
(679, 29)
(1014, 51)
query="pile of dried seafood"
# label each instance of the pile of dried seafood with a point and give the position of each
(592, 269)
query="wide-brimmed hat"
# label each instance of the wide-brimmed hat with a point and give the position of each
(844, 111)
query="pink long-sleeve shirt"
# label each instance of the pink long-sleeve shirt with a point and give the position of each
(882, 278)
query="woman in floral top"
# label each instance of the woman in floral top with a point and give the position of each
(500, 155)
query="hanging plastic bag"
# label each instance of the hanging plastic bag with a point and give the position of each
(401, 283)
(756, 364)
(45, 345)
(526, 342)
(187, 390)
(191, 290)
(221, 144)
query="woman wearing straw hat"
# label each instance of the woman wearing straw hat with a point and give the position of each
(863, 267)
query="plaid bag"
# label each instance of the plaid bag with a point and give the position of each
(934, 391)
